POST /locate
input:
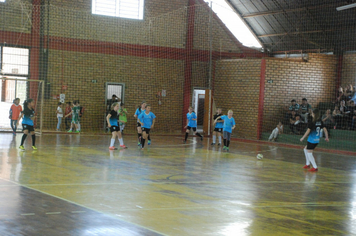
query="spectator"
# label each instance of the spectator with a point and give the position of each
(293, 107)
(350, 114)
(305, 110)
(337, 117)
(350, 93)
(344, 112)
(340, 95)
(328, 120)
(295, 123)
(68, 119)
(353, 121)
(275, 132)
(59, 113)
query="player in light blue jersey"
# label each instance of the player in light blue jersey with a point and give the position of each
(191, 124)
(28, 115)
(229, 125)
(219, 125)
(147, 121)
(314, 130)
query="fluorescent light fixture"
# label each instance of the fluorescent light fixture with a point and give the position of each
(346, 7)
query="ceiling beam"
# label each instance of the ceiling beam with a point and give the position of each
(294, 33)
(266, 13)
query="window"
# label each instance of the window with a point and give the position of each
(234, 23)
(132, 9)
(2, 0)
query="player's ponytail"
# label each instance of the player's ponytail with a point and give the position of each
(317, 115)
(25, 105)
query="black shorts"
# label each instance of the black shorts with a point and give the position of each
(114, 129)
(218, 130)
(311, 146)
(194, 128)
(27, 127)
(138, 124)
(146, 130)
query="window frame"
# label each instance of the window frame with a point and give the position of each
(117, 10)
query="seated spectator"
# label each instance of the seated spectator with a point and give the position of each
(275, 132)
(295, 123)
(340, 95)
(328, 120)
(344, 112)
(353, 121)
(337, 117)
(349, 94)
(304, 110)
(293, 107)
(350, 114)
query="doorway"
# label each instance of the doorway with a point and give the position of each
(14, 64)
(112, 88)
(198, 106)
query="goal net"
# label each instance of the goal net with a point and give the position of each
(176, 54)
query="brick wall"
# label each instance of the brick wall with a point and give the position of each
(142, 78)
(237, 88)
(14, 16)
(314, 80)
(349, 69)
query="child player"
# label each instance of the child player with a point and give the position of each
(122, 117)
(111, 118)
(138, 112)
(147, 120)
(75, 117)
(28, 116)
(15, 112)
(314, 129)
(191, 124)
(218, 126)
(229, 125)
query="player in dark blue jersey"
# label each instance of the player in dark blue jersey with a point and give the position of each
(147, 121)
(138, 112)
(28, 115)
(191, 124)
(111, 119)
(219, 125)
(314, 130)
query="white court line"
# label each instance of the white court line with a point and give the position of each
(77, 204)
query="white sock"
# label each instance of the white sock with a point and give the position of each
(78, 126)
(121, 141)
(214, 138)
(112, 143)
(312, 160)
(220, 139)
(306, 157)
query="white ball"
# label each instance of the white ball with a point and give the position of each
(259, 156)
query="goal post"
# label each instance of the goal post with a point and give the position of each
(39, 100)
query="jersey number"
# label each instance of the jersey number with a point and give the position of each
(318, 131)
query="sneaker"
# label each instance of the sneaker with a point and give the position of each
(306, 166)
(22, 147)
(184, 141)
(14, 133)
(149, 142)
(224, 148)
(77, 131)
(313, 169)
(123, 146)
(138, 144)
(70, 131)
(227, 149)
(219, 144)
(34, 148)
(212, 144)
(112, 148)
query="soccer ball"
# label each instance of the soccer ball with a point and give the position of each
(259, 156)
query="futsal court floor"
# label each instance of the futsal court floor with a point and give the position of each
(73, 185)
